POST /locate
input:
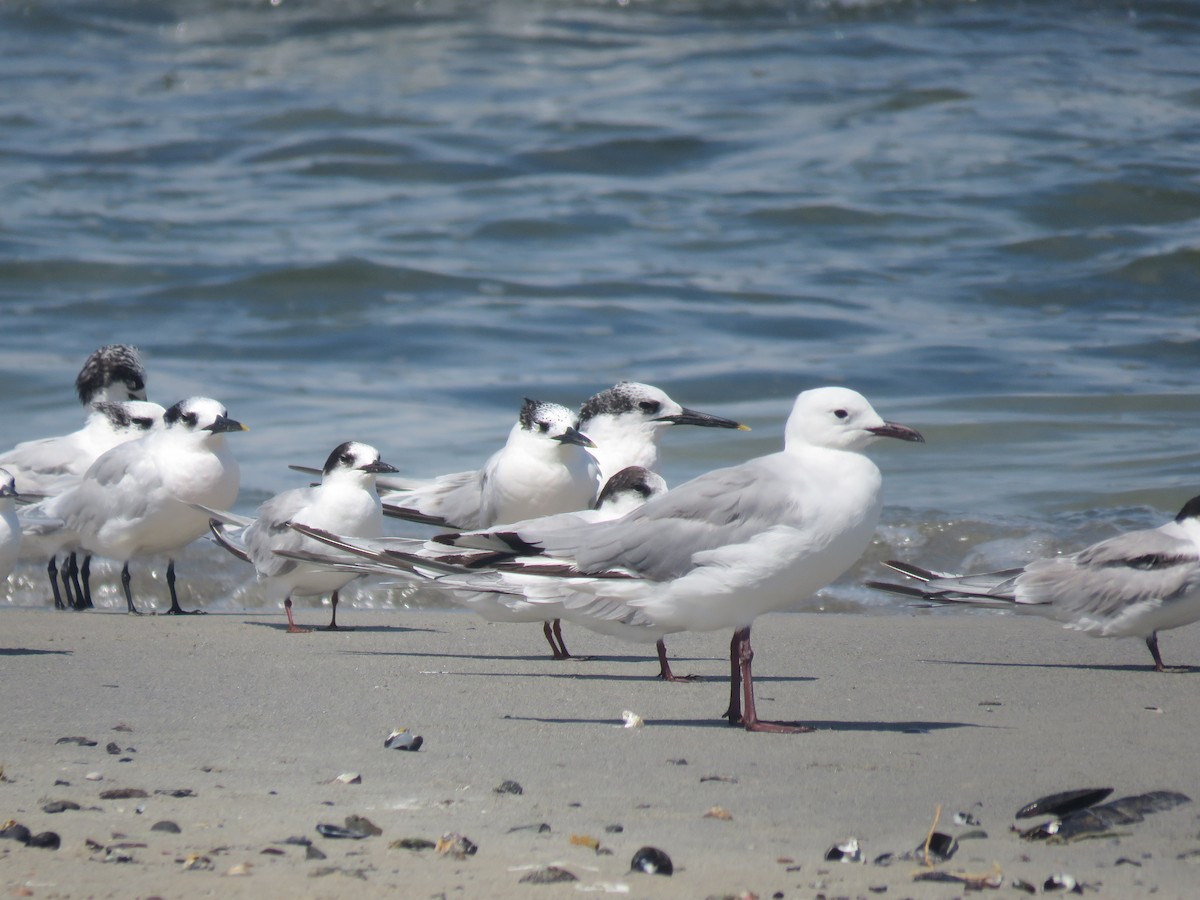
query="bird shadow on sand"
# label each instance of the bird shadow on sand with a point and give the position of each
(912, 727)
(342, 629)
(1080, 667)
(29, 651)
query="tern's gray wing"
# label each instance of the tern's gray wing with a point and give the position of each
(1107, 578)
(120, 484)
(660, 539)
(270, 532)
(450, 501)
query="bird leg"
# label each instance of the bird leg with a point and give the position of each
(664, 667)
(71, 571)
(548, 629)
(125, 579)
(52, 571)
(734, 712)
(333, 625)
(1152, 645)
(556, 627)
(176, 609)
(86, 574)
(293, 628)
(750, 720)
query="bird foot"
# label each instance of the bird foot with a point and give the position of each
(677, 679)
(296, 629)
(180, 611)
(777, 727)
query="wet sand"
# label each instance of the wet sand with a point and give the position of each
(976, 714)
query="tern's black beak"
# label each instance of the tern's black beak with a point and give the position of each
(896, 430)
(224, 423)
(705, 420)
(379, 467)
(575, 436)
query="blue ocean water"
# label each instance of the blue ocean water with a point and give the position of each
(391, 221)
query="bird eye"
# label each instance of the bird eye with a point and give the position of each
(143, 424)
(190, 419)
(346, 459)
(543, 427)
(840, 413)
(649, 406)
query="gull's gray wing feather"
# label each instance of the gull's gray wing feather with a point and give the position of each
(659, 540)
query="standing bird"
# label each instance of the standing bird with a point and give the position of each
(344, 502)
(10, 528)
(113, 422)
(1132, 585)
(48, 466)
(497, 597)
(718, 551)
(137, 499)
(542, 469)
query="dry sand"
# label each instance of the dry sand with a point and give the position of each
(976, 713)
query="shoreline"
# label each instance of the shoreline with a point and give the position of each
(978, 714)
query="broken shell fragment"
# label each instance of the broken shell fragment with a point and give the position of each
(632, 719)
(196, 862)
(941, 847)
(349, 778)
(548, 875)
(652, 861)
(962, 818)
(848, 851)
(47, 840)
(1099, 819)
(403, 739)
(718, 812)
(1063, 802)
(239, 869)
(508, 786)
(1062, 882)
(455, 845)
(411, 844)
(356, 828)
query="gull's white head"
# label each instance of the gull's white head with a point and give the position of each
(355, 460)
(200, 415)
(839, 419)
(114, 372)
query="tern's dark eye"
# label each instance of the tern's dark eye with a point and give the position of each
(346, 459)
(840, 413)
(144, 424)
(190, 419)
(649, 406)
(543, 427)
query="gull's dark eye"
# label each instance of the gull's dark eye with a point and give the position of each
(649, 406)
(840, 413)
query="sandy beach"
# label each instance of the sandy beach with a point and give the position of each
(237, 732)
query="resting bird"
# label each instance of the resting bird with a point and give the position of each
(137, 499)
(1133, 585)
(496, 597)
(345, 501)
(48, 466)
(715, 552)
(542, 469)
(10, 528)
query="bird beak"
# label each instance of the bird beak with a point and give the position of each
(224, 423)
(575, 436)
(705, 420)
(379, 467)
(896, 430)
